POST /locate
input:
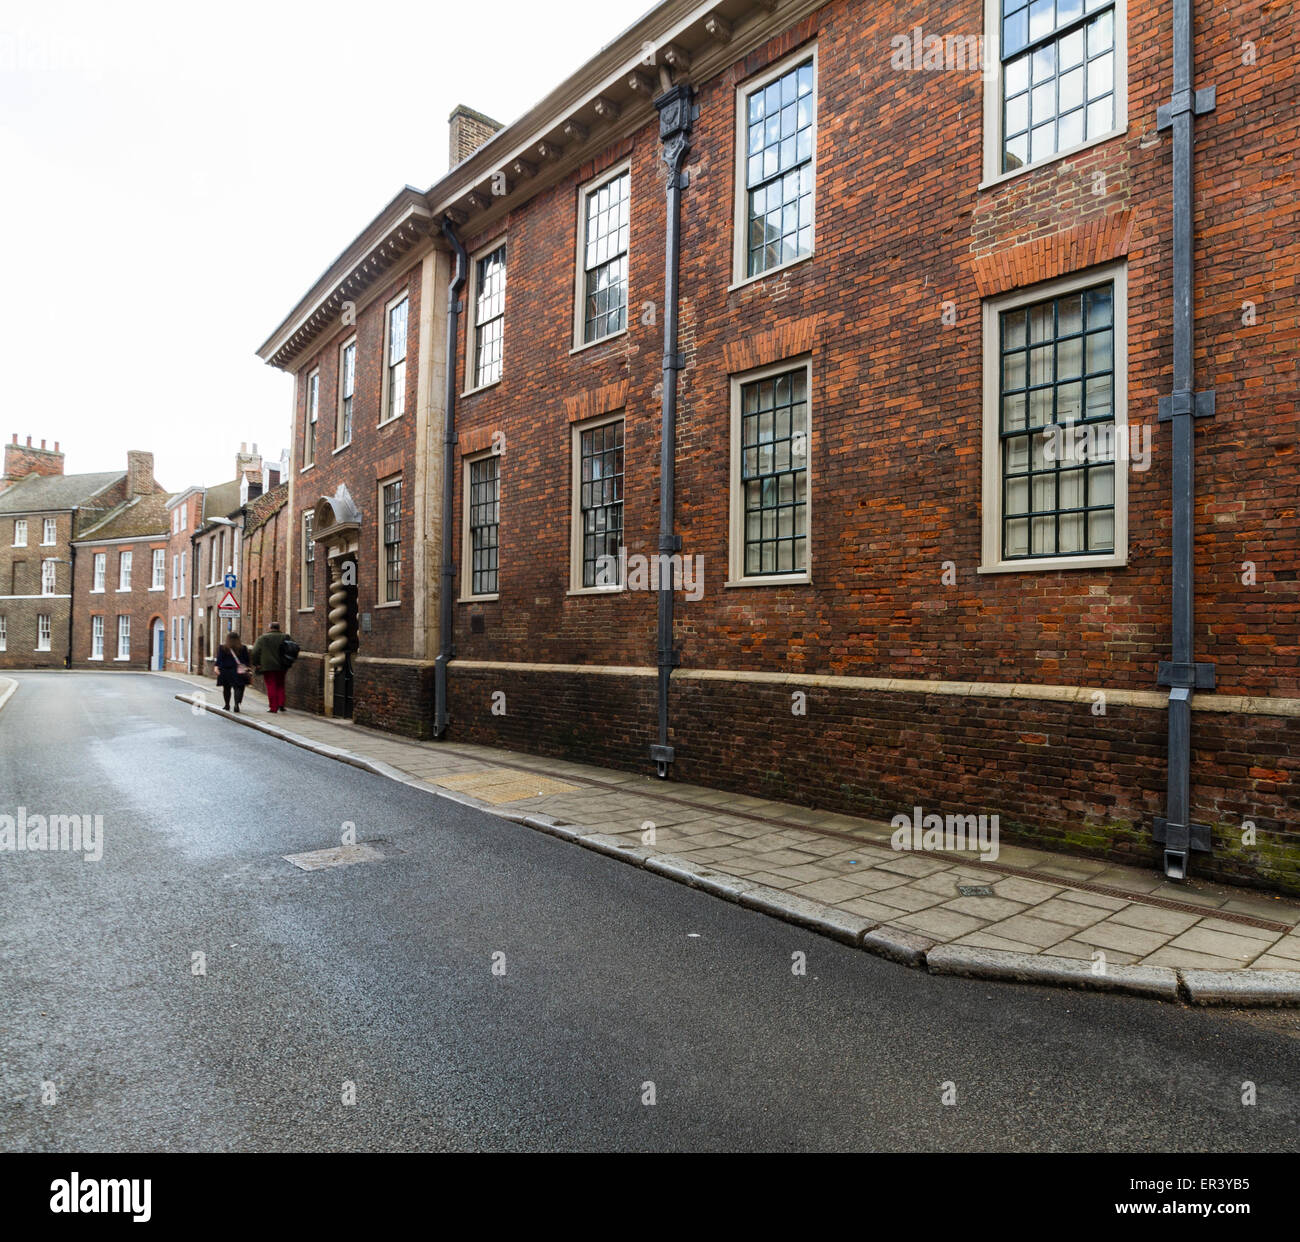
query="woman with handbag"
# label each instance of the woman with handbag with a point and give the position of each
(233, 671)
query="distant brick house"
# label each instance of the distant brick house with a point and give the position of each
(206, 545)
(119, 587)
(922, 478)
(43, 513)
(264, 546)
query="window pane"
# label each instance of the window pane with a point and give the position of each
(778, 226)
(1057, 487)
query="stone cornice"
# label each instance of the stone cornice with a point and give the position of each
(373, 256)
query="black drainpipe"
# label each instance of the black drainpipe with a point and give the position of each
(72, 585)
(676, 112)
(1182, 674)
(446, 602)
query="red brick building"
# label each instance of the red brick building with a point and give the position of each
(119, 583)
(42, 513)
(264, 546)
(936, 535)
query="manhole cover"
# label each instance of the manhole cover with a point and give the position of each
(339, 856)
(974, 890)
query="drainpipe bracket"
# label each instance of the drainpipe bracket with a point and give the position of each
(1182, 836)
(670, 658)
(1184, 401)
(1185, 676)
(674, 362)
(1198, 103)
(670, 543)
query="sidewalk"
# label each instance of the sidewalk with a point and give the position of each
(1035, 916)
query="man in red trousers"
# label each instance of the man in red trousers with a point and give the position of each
(270, 659)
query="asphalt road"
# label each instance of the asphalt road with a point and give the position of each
(381, 974)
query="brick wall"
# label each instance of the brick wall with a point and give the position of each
(20, 575)
(144, 606)
(903, 234)
(375, 453)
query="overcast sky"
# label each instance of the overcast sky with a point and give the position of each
(175, 176)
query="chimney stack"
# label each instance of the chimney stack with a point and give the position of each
(22, 460)
(468, 130)
(139, 474)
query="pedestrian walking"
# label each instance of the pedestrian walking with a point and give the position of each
(273, 654)
(234, 670)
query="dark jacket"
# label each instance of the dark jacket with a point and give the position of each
(226, 662)
(266, 652)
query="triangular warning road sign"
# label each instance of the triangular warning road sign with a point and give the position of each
(228, 601)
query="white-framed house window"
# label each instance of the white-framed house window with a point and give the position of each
(97, 637)
(307, 591)
(313, 417)
(390, 541)
(4, 632)
(123, 638)
(604, 237)
(49, 577)
(597, 505)
(43, 631)
(20, 532)
(1057, 80)
(347, 394)
(480, 554)
(158, 576)
(100, 569)
(49, 532)
(776, 167)
(771, 488)
(124, 560)
(183, 555)
(1055, 438)
(176, 576)
(487, 296)
(393, 398)
(184, 648)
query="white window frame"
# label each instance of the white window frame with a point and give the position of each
(386, 375)
(20, 528)
(466, 551)
(736, 576)
(99, 571)
(311, 424)
(381, 564)
(49, 532)
(4, 632)
(306, 568)
(575, 502)
(183, 573)
(740, 213)
(612, 173)
(97, 636)
(339, 443)
(158, 569)
(992, 84)
(123, 637)
(49, 577)
(184, 645)
(471, 384)
(991, 560)
(43, 631)
(125, 561)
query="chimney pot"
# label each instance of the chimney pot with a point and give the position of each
(42, 444)
(29, 442)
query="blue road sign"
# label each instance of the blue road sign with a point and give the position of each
(231, 582)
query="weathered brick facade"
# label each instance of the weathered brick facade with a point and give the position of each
(1044, 707)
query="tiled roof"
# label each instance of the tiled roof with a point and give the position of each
(221, 500)
(37, 493)
(140, 517)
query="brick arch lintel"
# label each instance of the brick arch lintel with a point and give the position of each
(1058, 254)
